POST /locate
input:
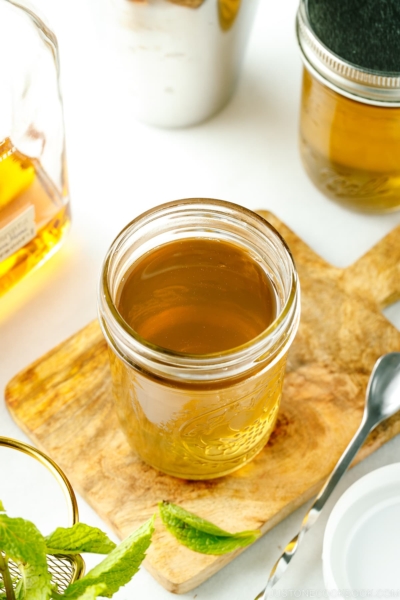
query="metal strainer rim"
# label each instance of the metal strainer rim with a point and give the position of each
(76, 561)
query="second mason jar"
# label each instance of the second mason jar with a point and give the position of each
(199, 303)
(349, 125)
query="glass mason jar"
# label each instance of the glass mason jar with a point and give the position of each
(349, 126)
(181, 59)
(34, 201)
(199, 416)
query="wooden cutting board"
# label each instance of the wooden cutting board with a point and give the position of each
(63, 402)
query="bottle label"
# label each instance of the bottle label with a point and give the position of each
(17, 233)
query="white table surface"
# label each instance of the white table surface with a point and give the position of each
(118, 168)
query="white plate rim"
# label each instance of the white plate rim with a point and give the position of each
(373, 481)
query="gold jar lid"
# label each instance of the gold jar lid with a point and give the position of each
(352, 81)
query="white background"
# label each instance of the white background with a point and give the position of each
(118, 168)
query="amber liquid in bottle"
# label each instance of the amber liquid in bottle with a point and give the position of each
(33, 215)
(197, 296)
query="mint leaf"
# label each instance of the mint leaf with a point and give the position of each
(118, 567)
(201, 535)
(77, 539)
(93, 592)
(2, 509)
(173, 510)
(21, 541)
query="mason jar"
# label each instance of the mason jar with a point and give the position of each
(199, 416)
(34, 197)
(349, 126)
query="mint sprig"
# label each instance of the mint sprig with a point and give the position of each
(21, 542)
(201, 535)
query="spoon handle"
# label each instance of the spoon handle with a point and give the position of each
(312, 515)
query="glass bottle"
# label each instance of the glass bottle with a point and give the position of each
(349, 126)
(199, 416)
(34, 199)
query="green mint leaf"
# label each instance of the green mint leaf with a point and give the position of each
(201, 535)
(21, 541)
(2, 509)
(77, 539)
(118, 568)
(167, 509)
(92, 592)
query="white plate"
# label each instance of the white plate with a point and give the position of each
(361, 551)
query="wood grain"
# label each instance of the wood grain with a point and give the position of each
(63, 402)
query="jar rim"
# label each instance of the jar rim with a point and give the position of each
(159, 354)
(353, 81)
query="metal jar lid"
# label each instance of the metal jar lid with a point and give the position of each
(352, 81)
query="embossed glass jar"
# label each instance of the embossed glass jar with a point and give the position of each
(349, 126)
(199, 416)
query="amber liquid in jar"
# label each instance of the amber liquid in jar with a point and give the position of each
(197, 296)
(351, 150)
(33, 215)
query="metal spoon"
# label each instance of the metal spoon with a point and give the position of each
(382, 401)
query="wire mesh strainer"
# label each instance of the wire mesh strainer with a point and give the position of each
(63, 569)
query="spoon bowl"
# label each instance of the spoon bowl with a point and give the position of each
(383, 392)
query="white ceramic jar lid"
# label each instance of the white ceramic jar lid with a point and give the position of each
(361, 550)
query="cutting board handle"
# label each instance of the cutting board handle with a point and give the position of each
(377, 274)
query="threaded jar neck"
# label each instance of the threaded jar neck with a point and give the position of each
(350, 80)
